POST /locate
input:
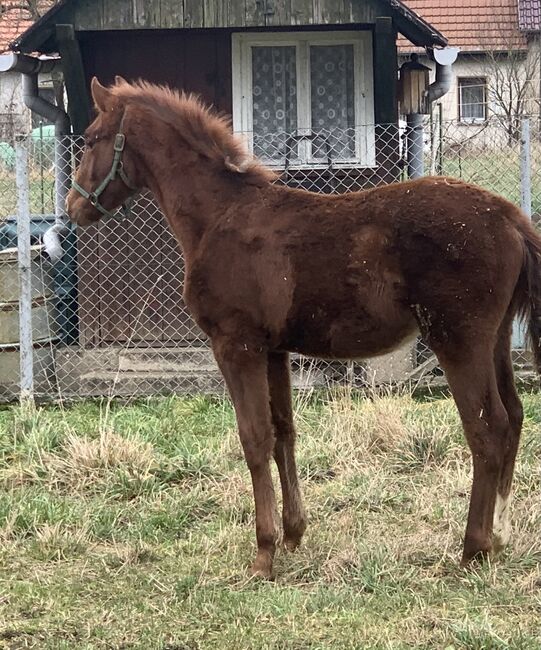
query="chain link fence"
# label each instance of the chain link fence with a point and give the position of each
(108, 318)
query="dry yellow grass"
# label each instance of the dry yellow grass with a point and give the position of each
(81, 461)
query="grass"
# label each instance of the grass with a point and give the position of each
(131, 526)
(498, 172)
(41, 193)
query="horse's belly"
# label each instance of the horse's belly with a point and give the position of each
(350, 337)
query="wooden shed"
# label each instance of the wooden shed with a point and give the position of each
(282, 68)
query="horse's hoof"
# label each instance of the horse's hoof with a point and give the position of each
(261, 573)
(471, 559)
(293, 534)
(499, 543)
(262, 566)
(291, 544)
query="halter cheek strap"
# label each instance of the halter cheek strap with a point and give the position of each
(117, 169)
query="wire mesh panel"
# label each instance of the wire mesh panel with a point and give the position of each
(116, 323)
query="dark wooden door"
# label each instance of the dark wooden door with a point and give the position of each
(131, 271)
(131, 276)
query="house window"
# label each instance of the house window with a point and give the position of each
(472, 99)
(305, 99)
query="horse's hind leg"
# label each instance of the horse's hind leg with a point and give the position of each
(293, 515)
(471, 375)
(513, 406)
(245, 372)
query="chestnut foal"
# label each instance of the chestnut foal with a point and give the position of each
(272, 270)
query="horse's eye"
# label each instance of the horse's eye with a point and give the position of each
(90, 141)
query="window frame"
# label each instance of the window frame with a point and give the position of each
(361, 40)
(484, 85)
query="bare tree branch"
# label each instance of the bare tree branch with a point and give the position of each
(26, 9)
(511, 78)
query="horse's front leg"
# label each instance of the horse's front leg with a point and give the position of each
(293, 514)
(244, 368)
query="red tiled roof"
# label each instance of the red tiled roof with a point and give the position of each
(15, 19)
(529, 15)
(473, 25)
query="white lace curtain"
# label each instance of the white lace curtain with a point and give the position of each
(332, 101)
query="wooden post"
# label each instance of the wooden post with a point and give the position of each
(74, 77)
(385, 99)
(385, 71)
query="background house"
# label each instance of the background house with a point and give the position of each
(529, 17)
(495, 73)
(207, 48)
(15, 18)
(14, 118)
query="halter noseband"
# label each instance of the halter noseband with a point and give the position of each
(117, 169)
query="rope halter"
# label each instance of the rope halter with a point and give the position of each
(117, 169)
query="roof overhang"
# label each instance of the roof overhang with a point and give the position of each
(413, 27)
(41, 37)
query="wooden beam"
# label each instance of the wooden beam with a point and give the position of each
(255, 13)
(385, 98)
(74, 78)
(172, 13)
(278, 12)
(385, 71)
(193, 14)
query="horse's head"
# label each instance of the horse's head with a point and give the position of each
(107, 174)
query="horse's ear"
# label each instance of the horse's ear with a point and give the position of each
(102, 96)
(238, 166)
(120, 80)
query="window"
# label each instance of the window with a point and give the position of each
(305, 99)
(472, 99)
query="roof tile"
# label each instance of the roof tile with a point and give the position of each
(529, 15)
(473, 25)
(15, 19)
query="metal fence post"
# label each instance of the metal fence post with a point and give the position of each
(525, 168)
(25, 277)
(415, 143)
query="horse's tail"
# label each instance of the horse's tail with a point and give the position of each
(529, 298)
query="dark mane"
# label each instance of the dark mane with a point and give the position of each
(206, 131)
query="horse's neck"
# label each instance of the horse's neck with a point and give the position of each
(190, 192)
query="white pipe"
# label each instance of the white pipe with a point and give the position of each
(14, 62)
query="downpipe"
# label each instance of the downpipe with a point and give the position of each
(30, 67)
(442, 84)
(415, 145)
(62, 159)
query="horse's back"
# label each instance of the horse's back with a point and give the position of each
(355, 274)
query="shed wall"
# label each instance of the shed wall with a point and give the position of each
(195, 61)
(165, 14)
